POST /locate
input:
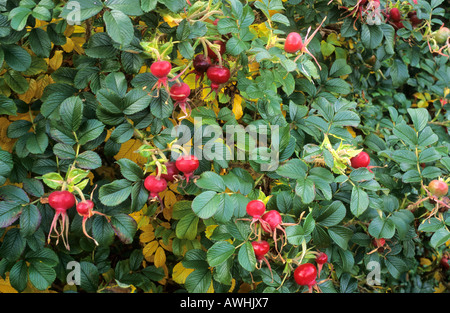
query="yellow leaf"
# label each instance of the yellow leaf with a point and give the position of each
(425, 262)
(351, 131)
(5, 286)
(30, 93)
(180, 273)
(237, 107)
(149, 249)
(56, 61)
(69, 45)
(440, 289)
(160, 257)
(169, 200)
(209, 230)
(147, 234)
(128, 150)
(78, 43)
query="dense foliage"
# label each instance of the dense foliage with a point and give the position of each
(118, 165)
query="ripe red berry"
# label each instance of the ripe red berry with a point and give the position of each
(180, 91)
(201, 63)
(154, 185)
(379, 242)
(256, 208)
(218, 74)
(61, 200)
(305, 274)
(322, 258)
(361, 160)
(445, 263)
(260, 247)
(172, 170)
(438, 188)
(160, 69)
(273, 219)
(85, 207)
(187, 164)
(293, 42)
(395, 15)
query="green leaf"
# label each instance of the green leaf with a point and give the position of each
(199, 281)
(124, 227)
(18, 276)
(399, 73)
(340, 235)
(148, 5)
(331, 215)
(440, 237)
(419, 117)
(305, 189)
(130, 170)
(100, 46)
(219, 253)
(18, 17)
(359, 201)
(16, 82)
(89, 160)
(76, 12)
(41, 275)
(211, 181)
(119, 27)
(40, 42)
(381, 228)
(71, 112)
(45, 256)
(9, 213)
(89, 276)
(371, 36)
(187, 226)
(89, 130)
(395, 266)
(340, 68)
(13, 245)
(8, 107)
(115, 193)
(30, 220)
(246, 256)
(128, 7)
(294, 168)
(207, 204)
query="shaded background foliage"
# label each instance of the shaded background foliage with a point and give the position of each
(76, 106)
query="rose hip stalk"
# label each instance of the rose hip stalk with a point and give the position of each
(85, 209)
(180, 92)
(61, 201)
(321, 259)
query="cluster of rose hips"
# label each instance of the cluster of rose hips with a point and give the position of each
(61, 201)
(396, 19)
(187, 164)
(271, 221)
